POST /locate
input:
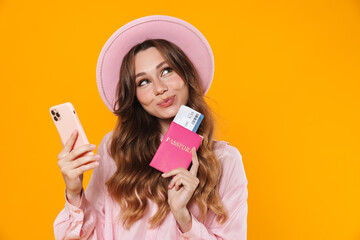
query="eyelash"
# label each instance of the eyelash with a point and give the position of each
(143, 80)
(167, 68)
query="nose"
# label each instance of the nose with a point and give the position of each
(159, 87)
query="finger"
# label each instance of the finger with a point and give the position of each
(173, 181)
(85, 160)
(187, 183)
(178, 184)
(69, 144)
(86, 167)
(171, 184)
(173, 172)
(77, 152)
(195, 162)
(181, 178)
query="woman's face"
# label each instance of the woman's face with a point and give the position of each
(159, 89)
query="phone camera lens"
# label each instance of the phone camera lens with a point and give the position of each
(55, 118)
(57, 114)
(52, 112)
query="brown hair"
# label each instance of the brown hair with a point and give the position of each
(136, 137)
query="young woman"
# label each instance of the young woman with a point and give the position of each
(126, 198)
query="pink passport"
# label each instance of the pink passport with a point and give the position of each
(175, 148)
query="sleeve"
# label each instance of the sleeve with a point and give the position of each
(87, 220)
(234, 194)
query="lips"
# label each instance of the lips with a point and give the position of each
(167, 102)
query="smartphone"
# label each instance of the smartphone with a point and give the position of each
(66, 120)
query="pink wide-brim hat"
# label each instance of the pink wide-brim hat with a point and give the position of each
(172, 29)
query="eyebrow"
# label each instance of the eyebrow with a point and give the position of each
(157, 67)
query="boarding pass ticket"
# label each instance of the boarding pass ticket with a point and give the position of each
(188, 118)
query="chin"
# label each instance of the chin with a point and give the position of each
(169, 113)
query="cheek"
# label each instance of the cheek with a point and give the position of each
(144, 96)
(182, 89)
(185, 95)
(178, 84)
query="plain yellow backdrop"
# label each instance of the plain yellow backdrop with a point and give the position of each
(286, 91)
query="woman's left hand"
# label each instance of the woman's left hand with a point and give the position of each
(180, 190)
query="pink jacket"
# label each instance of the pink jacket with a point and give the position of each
(96, 218)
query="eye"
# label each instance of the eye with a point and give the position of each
(143, 82)
(166, 71)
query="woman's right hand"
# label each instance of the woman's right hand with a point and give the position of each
(73, 163)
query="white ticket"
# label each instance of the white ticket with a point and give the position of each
(188, 118)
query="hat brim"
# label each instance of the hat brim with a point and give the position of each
(172, 29)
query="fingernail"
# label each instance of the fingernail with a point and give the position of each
(97, 156)
(92, 146)
(74, 131)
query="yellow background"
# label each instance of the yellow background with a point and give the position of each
(286, 91)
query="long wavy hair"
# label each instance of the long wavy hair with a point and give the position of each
(135, 140)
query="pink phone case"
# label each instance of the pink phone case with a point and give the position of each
(66, 120)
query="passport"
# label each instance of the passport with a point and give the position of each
(175, 148)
